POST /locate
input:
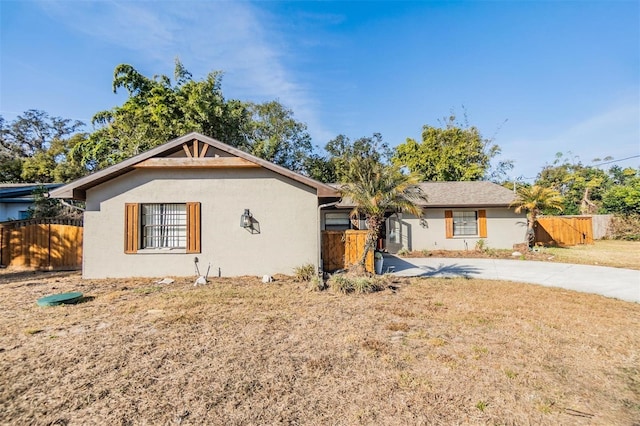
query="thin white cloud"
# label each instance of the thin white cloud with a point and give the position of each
(206, 36)
(614, 132)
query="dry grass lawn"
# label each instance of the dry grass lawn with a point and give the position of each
(430, 351)
(619, 254)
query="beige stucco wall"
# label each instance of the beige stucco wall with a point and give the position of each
(286, 211)
(504, 229)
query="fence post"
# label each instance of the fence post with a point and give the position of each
(49, 246)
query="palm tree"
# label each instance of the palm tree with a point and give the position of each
(375, 189)
(534, 199)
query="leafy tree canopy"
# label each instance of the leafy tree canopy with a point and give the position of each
(623, 198)
(453, 152)
(273, 134)
(158, 110)
(36, 148)
(581, 186)
(337, 164)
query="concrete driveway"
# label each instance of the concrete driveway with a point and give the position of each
(618, 283)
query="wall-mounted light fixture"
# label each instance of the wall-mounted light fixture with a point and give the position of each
(246, 220)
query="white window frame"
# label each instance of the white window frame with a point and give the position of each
(464, 225)
(340, 221)
(163, 226)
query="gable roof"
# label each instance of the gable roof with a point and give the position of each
(77, 189)
(460, 194)
(13, 190)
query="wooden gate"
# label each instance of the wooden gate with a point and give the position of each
(564, 230)
(342, 249)
(42, 244)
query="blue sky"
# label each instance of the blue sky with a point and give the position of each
(541, 77)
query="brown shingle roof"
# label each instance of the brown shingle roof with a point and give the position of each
(476, 194)
(461, 194)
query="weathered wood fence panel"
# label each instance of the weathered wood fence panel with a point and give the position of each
(332, 250)
(564, 230)
(601, 223)
(342, 249)
(41, 244)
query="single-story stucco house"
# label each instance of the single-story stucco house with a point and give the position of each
(456, 216)
(17, 198)
(195, 197)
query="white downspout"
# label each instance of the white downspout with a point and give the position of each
(319, 239)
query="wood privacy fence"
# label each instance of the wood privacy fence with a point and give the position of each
(342, 249)
(42, 244)
(564, 230)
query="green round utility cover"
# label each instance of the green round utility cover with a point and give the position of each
(57, 299)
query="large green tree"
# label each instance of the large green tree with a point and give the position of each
(337, 164)
(274, 134)
(158, 109)
(624, 196)
(374, 189)
(581, 187)
(36, 147)
(453, 152)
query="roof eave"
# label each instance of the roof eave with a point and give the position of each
(77, 189)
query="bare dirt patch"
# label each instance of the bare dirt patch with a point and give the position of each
(237, 351)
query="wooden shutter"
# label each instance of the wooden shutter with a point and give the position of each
(482, 223)
(131, 227)
(448, 223)
(193, 227)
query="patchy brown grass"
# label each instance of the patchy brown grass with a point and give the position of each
(237, 351)
(617, 254)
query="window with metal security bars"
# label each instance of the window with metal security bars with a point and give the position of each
(164, 226)
(465, 223)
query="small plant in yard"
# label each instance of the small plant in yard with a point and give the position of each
(510, 373)
(425, 252)
(481, 405)
(481, 245)
(316, 284)
(403, 252)
(345, 284)
(147, 290)
(304, 273)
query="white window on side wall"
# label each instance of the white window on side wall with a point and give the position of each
(164, 226)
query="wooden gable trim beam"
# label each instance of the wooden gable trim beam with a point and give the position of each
(197, 152)
(197, 163)
(205, 147)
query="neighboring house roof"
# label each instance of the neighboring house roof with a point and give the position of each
(77, 189)
(460, 194)
(11, 191)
